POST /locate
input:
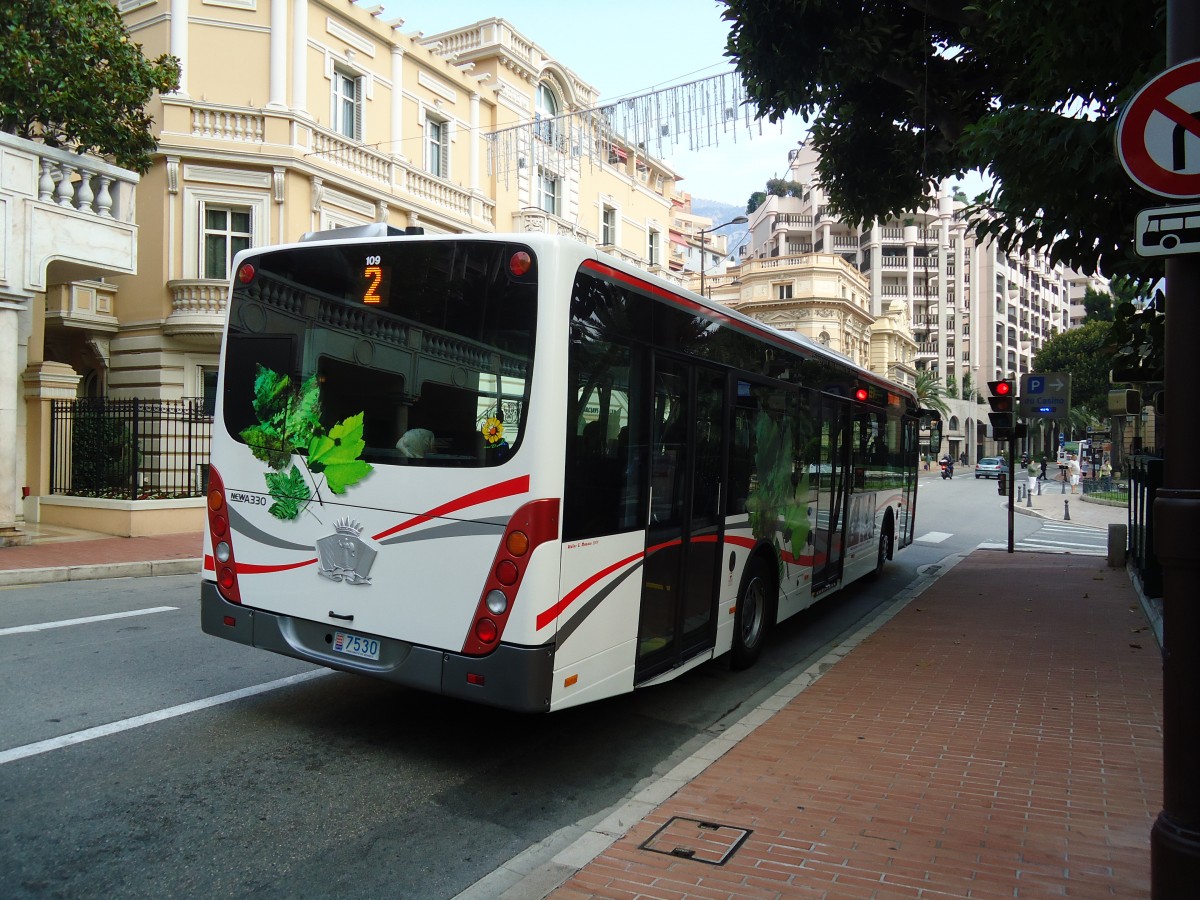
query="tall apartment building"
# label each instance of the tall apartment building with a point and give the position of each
(302, 115)
(976, 312)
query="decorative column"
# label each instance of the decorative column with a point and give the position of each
(179, 41)
(278, 84)
(45, 382)
(300, 55)
(396, 148)
(9, 312)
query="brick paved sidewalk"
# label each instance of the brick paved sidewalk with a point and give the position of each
(999, 737)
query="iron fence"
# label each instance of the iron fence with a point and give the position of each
(130, 449)
(1145, 478)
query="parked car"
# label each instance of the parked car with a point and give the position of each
(990, 467)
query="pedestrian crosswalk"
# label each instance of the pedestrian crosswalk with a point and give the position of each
(1055, 537)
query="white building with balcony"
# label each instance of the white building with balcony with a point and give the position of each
(67, 221)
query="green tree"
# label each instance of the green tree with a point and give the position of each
(71, 77)
(902, 92)
(930, 394)
(1081, 352)
(1097, 306)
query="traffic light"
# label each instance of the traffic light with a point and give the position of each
(1003, 401)
(1002, 484)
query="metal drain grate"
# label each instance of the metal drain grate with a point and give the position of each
(707, 842)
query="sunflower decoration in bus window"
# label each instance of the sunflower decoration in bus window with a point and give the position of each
(493, 432)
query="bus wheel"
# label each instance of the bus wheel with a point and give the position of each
(885, 544)
(750, 622)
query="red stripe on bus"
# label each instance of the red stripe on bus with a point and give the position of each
(509, 488)
(545, 618)
(549, 615)
(253, 569)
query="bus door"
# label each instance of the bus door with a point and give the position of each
(684, 527)
(832, 473)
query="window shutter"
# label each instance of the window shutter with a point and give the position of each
(358, 109)
(444, 151)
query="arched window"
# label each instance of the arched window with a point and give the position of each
(954, 423)
(545, 113)
(824, 338)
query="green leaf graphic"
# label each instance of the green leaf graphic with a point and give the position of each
(290, 492)
(336, 454)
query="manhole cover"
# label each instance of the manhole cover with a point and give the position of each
(706, 842)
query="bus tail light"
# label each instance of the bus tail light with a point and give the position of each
(221, 538)
(534, 523)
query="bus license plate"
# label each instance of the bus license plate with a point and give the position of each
(353, 645)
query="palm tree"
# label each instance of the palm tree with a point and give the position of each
(930, 392)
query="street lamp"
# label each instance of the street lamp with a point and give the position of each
(736, 220)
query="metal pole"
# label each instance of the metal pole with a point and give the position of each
(703, 234)
(1012, 483)
(1175, 836)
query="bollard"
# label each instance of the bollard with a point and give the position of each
(1029, 499)
(1117, 537)
(1066, 510)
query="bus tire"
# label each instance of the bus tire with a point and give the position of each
(884, 550)
(750, 623)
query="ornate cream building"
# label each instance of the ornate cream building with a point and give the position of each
(300, 115)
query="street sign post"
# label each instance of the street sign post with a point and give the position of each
(1045, 396)
(1158, 134)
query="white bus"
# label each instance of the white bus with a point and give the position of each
(511, 469)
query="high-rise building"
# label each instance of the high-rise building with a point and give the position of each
(976, 312)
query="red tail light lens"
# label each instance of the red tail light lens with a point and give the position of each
(534, 523)
(222, 541)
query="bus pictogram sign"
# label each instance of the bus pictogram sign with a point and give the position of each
(1158, 134)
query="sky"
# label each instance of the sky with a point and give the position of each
(624, 48)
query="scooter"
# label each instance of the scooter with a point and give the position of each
(947, 469)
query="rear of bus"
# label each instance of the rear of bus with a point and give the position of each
(377, 498)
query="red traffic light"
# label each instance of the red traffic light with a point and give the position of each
(1001, 388)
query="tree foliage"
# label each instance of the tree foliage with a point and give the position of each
(1081, 352)
(71, 77)
(930, 394)
(1098, 305)
(908, 91)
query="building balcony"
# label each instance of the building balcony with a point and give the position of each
(791, 220)
(197, 311)
(67, 216)
(83, 305)
(210, 127)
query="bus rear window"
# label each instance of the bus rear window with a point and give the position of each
(426, 345)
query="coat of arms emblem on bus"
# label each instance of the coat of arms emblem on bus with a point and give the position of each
(289, 425)
(346, 555)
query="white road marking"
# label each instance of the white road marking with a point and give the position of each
(934, 537)
(90, 734)
(63, 623)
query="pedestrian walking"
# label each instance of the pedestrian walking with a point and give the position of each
(1032, 471)
(1106, 474)
(1042, 474)
(1073, 471)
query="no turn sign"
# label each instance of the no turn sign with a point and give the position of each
(1158, 134)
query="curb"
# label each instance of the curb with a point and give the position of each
(53, 574)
